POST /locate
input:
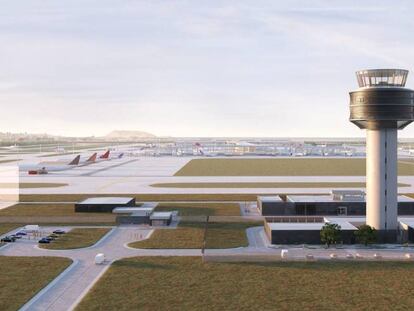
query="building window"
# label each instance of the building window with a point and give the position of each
(342, 211)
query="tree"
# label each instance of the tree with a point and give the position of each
(366, 235)
(330, 234)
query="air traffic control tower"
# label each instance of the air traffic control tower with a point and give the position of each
(382, 106)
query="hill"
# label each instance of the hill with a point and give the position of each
(129, 134)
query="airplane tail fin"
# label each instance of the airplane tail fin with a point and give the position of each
(75, 161)
(92, 158)
(105, 155)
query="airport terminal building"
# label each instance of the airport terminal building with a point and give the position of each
(298, 219)
(338, 203)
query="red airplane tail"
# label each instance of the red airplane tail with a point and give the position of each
(75, 161)
(105, 155)
(92, 158)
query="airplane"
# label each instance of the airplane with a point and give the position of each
(44, 168)
(10, 147)
(105, 156)
(199, 150)
(90, 160)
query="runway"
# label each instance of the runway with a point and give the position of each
(136, 175)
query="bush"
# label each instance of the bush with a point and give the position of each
(366, 235)
(330, 234)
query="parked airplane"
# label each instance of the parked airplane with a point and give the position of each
(199, 150)
(15, 146)
(105, 156)
(90, 160)
(44, 168)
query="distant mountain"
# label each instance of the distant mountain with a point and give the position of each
(129, 134)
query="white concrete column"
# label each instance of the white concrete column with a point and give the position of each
(382, 179)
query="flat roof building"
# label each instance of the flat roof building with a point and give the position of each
(338, 203)
(103, 204)
(161, 218)
(305, 230)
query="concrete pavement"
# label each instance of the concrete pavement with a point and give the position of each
(83, 273)
(67, 290)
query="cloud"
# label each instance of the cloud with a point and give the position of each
(183, 68)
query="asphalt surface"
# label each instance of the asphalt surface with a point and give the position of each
(72, 285)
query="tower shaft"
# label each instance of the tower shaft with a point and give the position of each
(382, 194)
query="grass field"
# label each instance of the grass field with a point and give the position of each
(9, 160)
(191, 235)
(32, 185)
(22, 277)
(77, 238)
(201, 209)
(185, 283)
(43, 209)
(143, 197)
(4, 228)
(45, 213)
(266, 185)
(283, 167)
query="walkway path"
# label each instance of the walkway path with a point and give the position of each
(67, 290)
(71, 286)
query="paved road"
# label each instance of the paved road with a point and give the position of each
(71, 287)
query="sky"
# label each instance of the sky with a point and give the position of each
(194, 68)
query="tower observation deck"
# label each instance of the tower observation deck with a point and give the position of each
(382, 105)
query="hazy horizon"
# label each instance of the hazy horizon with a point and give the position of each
(191, 69)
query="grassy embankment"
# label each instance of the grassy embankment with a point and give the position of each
(32, 185)
(48, 213)
(185, 283)
(141, 197)
(191, 235)
(22, 277)
(77, 238)
(9, 160)
(201, 209)
(283, 167)
(233, 185)
(4, 228)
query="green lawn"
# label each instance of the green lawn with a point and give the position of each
(42, 209)
(201, 209)
(143, 197)
(4, 228)
(26, 185)
(9, 160)
(185, 283)
(22, 277)
(283, 167)
(266, 185)
(191, 235)
(77, 238)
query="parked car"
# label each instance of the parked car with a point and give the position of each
(8, 239)
(54, 236)
(16, 236)
(44, 241)
(21, 233)
(59, 231)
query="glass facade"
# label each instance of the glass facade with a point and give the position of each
(382, 77)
